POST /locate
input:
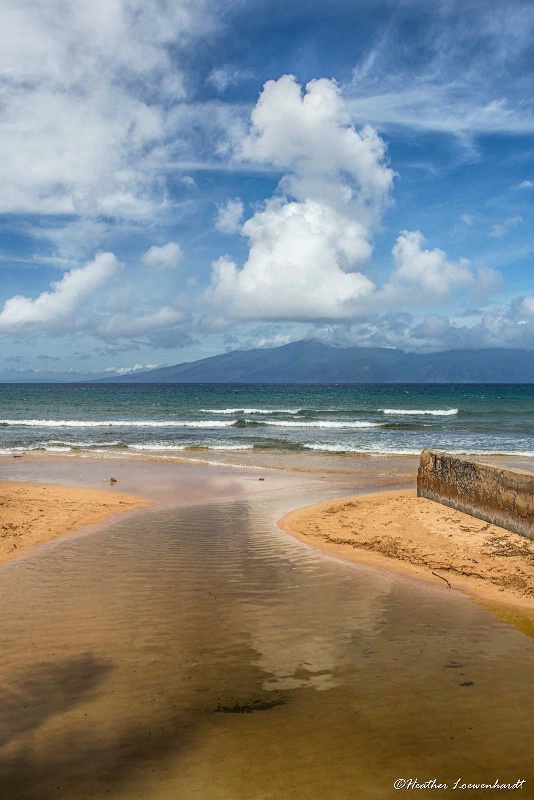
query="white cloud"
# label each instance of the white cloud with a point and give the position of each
(446, 108)
(230, 216)
(486, 281)
(527, 305)
(123, 326)
(311, 135)
(188, 182)
(81, 303)
(128, 370)
(222, 78)
(526, 185)
(501, 229)
(86, 101)
(72, 240)
(296, 265)
(501, 327)
(429, 272)
(57, 308)
(163, 258)
(467, 77)
(467, 219)
(308, 244)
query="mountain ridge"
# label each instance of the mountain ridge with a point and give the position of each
(310, 361)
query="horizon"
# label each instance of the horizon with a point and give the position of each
(167, 195)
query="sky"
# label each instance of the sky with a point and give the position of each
(180, 178)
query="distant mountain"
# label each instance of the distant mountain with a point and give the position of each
(314, 362)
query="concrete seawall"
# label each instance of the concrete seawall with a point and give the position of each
(502, 496)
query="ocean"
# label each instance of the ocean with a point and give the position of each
(166, 419)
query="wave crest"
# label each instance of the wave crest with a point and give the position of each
(440, 412)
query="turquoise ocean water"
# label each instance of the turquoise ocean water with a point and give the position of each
(170, 418)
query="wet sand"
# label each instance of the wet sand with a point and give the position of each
(409, 534)
(40, 503)
(32, 514)
(50, 496)
(195, 650)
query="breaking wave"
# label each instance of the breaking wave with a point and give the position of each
(450, 412)
(250, 410)
(114, 423)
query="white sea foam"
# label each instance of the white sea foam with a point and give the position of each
(376, 449)
(160, 446)
(250, 410)
(61, 443)
(115, 423)
(323, 424)
(372, 449)
(450, 412)
(221, 447)
(156, 446)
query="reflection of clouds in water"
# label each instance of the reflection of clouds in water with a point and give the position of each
(305, 626)
(196, 624)
(327, 625)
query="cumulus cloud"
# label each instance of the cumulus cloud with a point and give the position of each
(77, 304)
(309, 243)
(230, 216)
(163, 258)
(527, 305)
(295, 267)
(310, 134)
(429, 271)
(57, 308)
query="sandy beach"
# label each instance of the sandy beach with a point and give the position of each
(391, 530)
(414, 536)
(40, 502)
(31, 514)
(159, 654)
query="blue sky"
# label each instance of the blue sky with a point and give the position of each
(183, 178)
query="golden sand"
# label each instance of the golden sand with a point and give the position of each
(424, 539)
(31, 514)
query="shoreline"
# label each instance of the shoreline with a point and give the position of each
(34, 514)
(44, 499)
(58, 508)
(415, 537)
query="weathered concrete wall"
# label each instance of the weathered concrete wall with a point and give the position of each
(504, 497)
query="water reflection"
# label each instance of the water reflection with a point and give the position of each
(201, 652)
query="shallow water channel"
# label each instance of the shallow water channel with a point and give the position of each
(200, 652)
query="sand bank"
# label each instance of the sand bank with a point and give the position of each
(418, 537)
(31, 514)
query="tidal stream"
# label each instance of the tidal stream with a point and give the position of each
(201, 652)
